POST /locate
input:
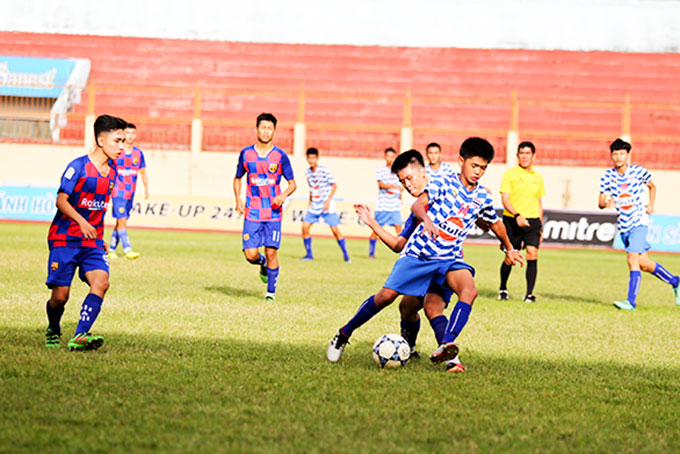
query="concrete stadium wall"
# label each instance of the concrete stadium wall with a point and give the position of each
(622, 25)
(211, 174)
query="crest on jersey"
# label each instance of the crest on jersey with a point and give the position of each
(110, 186)
(451, 229)
(121, 210)
(135, 161)
(273, 167)
(54, 266)
(246, 236)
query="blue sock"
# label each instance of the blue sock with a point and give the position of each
(272, 278)
(366, 312)
(123, 235)
(114, 240)
(371, 246)
(54, 317)
(308, 246)
(409, 330)
(88, 313)
(665, 275)
(457, 321)
(633, 286)
(343, 247)
(438, 325)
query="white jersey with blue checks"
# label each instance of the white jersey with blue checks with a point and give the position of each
(321, 183)
(444, 169)
(453, 210)
(628, 193)
(388, 199)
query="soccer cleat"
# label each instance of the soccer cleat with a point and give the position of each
(503, 295)
(307, 258)
(676, 292)
(263, 274)
(85, 341)
(529, 299)
(445, 352)
(624, 305)
(336, 347)
(415, 354)
(347, 260)
(52, 338)
(131, 255)
(455, 367)
(113, 255)
(270, 297)
(371, 256)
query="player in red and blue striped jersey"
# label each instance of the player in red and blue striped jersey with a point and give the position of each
(264, 165)
(76, 234)
(129, 165)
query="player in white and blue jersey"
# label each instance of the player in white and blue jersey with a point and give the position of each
(447, 209)
(623, 187)
(434, 166)
(322, 187)
(388, 205)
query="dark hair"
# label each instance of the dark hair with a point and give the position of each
(312, 150)
(526, 144)
(476, 146)
(265, 117)
(390, 150)
(433, 144)
(107, 123)
(130, 126)
(407, 158)
(619, 144)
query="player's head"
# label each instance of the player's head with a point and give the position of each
(434, 153)
(265, 126)
(390, 154)
(475, 155)
(620, 149)
(410, 169)
(312, 156)
(109, 135)
(130, 134)
(525, 154)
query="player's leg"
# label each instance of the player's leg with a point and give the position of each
(94, 270)
(253, 239)
(307, 239)
(272, 242)
(410, 320)
(636, 244)
(372, 242)
(118, 213)
(55, 310)
(515, 238)
(123, 233)
(333, 220)
(61, 267)
(531, 273)
(650, 266)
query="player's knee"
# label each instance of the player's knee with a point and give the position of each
(100, 285)
(469, 295)
(59, 299)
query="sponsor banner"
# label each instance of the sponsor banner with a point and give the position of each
(27, 203)
(34, 77)
(663, 233)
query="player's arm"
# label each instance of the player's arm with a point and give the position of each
(327, 202)
(605, 201)
(396, 243)
(67, 209)
(521, 220)
(145, 181)
(420, 212)
(279, 199)
(512, 256)
(237, 195)
(652, 197)
(382, 185)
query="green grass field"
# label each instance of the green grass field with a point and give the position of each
(195, 361)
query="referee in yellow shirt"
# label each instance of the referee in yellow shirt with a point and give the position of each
(521, 192)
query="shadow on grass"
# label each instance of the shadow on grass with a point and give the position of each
(231, 291)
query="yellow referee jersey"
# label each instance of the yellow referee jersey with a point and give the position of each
(525, 187)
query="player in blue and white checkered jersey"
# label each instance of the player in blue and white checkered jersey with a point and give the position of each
(388, 206)
(453, 203)
(623, 187)
(435, 167)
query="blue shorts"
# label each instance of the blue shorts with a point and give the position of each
(331, 219)
(635, 240)
(388, 218)
(256, 234)
(414, 276)
(439, 287)
(63, 260)
(121, 208)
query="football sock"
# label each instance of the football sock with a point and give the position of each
(343, 247)
(308, 246)
(633, 286)
(114, 240)
(272, 278)
(665, 275)
(88, 313)
(532, 270)
(438, 325)
(457, 321)
(505, 274)
(125, 239)
(54, 317)
(409, 331)
(366, 311)
(260, 260)
(371, 246)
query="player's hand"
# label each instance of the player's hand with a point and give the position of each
(521, 221)
(89, 232)
(610, 202)
(326, 206)
(429, 229)
(279, 200)
(482, 224)
(364, 213)
(650, 208)
(146, 195)
(240, 209)
(515, 257)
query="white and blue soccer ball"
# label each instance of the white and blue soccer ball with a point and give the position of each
(391, 350)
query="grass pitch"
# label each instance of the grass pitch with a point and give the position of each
(195, 361)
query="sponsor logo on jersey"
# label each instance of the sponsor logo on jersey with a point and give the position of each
(625, 201)
(451, 229)
(127, 172)
(259, 181)
(93, 205)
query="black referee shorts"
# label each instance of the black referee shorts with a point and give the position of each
(520, 237)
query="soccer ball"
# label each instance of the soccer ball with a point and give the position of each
(391, 350)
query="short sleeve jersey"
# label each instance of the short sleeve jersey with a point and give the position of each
(524, 188)
(453, 210)
(89, 193)
(388, 199)
(321, 183)
(444, 169)
(128, 167)
(628, 192)
(264, 182)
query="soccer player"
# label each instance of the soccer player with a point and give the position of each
(453, 204)
(388, 206)
(623, 186)
(522, 193)
(322, 187)
(434, 166)
(76, 234)
(263, 164)
(129, 166)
